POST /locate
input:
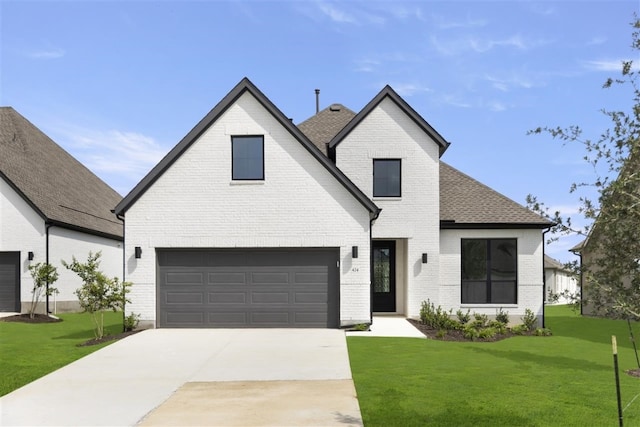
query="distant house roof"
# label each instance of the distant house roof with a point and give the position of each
(322, 127)
(464, 202)
(57, 186)
(467, 203)
(388, 92)
(553, 263)
(244, 86)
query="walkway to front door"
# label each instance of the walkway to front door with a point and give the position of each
(384, 275)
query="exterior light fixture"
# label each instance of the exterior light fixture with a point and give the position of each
(424, 258)
(30, 256)
(354, 252)
(138, 252)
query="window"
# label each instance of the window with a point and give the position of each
(386, 178)
(247, 153)
(489, 271)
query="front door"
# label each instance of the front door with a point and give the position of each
(384, 275)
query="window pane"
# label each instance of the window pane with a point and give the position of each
(503, 259)
(248, 157)
(386, 178)
(381, 270)
(474, 259)
(503, 292)
(474, 292)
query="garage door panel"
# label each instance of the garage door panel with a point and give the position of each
(249, 288)
(226, 277)
(227, 298)
(183, 298)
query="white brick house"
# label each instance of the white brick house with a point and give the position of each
(253, 221)
(51, 209)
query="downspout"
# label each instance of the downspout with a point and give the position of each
(371, 221)
(544, 276)
(124, 268)
(47, 226)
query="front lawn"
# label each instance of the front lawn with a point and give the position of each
(563, 380)
(30, 350)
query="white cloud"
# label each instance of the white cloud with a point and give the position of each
(52, 53)
(504, 84)
(443, 24)
(478, 44)
(408, 89)
(595, 41)
(496, 106)
(335, 14)
(608, 65)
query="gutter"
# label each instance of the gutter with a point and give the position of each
(124, 267)
(47, 225)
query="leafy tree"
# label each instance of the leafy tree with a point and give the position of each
(43, 274)
(611, 272)
(98, 292)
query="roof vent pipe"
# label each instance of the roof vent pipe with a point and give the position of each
(317, 101)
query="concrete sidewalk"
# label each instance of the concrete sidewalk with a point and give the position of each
(144, 374)
(389, 326)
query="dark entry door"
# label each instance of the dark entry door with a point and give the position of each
(384, 275)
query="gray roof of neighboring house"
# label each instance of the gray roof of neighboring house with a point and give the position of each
(326, 124)
(57, 186)
(553, 263)
(245, 85)
(464, 202)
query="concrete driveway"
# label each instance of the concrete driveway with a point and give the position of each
(198, 377)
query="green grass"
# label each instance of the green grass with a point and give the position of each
(563, 380)
(31, 350)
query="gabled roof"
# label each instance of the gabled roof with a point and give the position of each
(467, 203)
(322, 127)
(245, 85)
(552, 263)
(387, 91)
(57, 186)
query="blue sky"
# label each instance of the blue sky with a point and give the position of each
(118, 83)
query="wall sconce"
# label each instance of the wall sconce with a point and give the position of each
(424, 258)
(354, 252)
(138, 252)
(30, 256)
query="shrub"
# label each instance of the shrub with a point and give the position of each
(442, 333)
(437, 318)
(463, 318)
(500, 328)
(42, 274)
(131, 322)
(470, 333)
(519, 329)
(480, 321)
(487, 333)
(530, 321)
(502, 316)
(543, 332)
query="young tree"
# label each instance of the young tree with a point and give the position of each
(611, 271)
(98, 292)
(43, 274)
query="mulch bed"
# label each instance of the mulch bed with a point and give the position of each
(26, 318)
(454, 335)
(633, 372)
(107, 338)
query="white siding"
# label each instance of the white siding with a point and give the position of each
(388, 133)
(23, 230)
(299, 204)
(529, 271)
(558, 281)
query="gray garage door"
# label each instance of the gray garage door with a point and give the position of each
(10, 281)
(277, 288)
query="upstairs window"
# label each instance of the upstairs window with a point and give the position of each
(489, 271)
(386, 178)
(247, 153)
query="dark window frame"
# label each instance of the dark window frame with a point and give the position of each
(233, 171)
(399, 161)
(489, 281)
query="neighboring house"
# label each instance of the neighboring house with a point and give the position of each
(251, 221)
(51, 208)
(558, 281)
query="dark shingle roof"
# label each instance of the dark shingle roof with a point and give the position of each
(55, 184)
(553, 263)
(465, 202)
(326, 124)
